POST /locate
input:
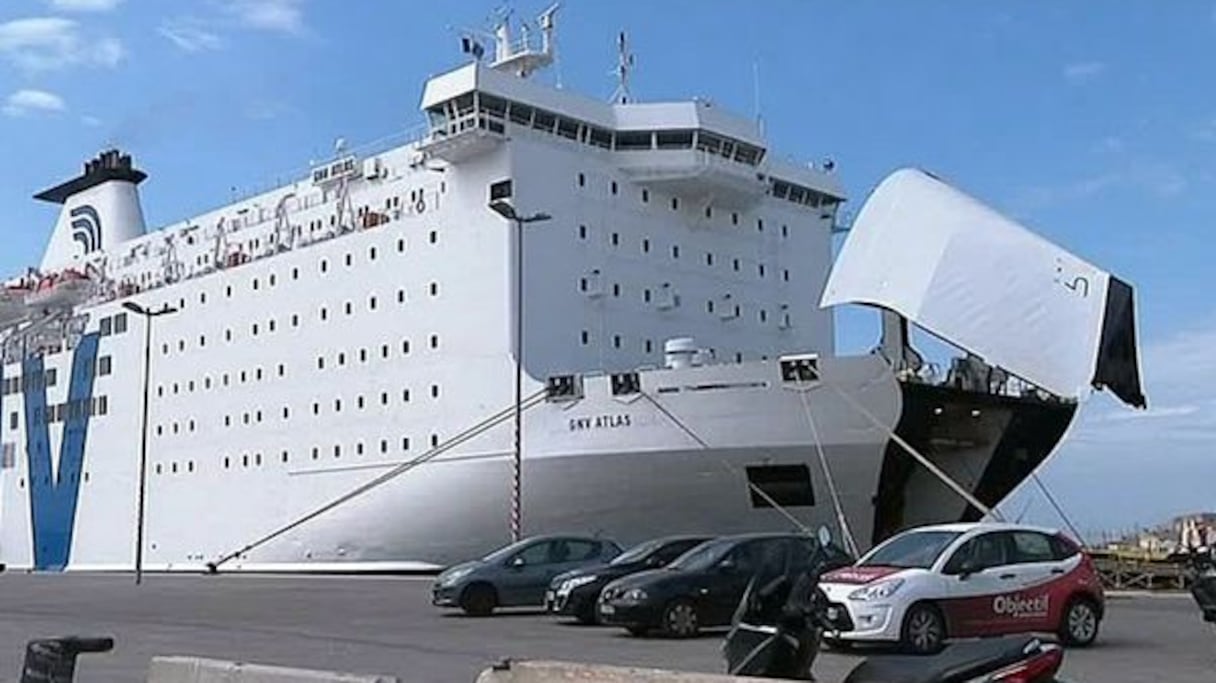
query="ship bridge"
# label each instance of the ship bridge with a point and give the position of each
(689, 148)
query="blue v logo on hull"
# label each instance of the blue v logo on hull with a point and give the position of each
(53, 495)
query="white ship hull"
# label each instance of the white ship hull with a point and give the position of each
(320, 334)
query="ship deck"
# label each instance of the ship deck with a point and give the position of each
(386, 625)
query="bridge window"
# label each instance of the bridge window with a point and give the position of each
(633, 140)
(674, 139)
(599, 137)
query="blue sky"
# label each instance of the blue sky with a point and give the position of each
(1094, 123)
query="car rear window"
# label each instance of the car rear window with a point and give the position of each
(1063, 547)
(912, 549)
(1029, 546)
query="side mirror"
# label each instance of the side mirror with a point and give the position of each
(727, 566)
(516, 562)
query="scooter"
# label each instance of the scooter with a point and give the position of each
(778, 628)
(1201, 573)
(53, 660)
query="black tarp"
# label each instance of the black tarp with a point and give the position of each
(1118, 367)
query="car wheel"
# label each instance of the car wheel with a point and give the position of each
(1079, 622)
(680, 619)
(638, 631)
(924, 629)
(479, 600)
(587, 616)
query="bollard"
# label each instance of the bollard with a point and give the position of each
(53, 660)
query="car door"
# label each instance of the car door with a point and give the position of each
(724, 584)
(977, 573)
(522, 578)
(1038, 572)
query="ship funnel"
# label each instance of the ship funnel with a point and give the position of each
(101, 210)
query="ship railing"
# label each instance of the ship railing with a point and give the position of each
(995, 381)
(412, 135)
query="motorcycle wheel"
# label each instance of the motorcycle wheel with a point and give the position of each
(838, 644)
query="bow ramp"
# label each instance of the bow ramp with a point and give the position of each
(981, 281)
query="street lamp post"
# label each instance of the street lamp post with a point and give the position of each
(507, 211)
(143, 444)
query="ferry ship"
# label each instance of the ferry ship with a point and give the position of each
(321, 377)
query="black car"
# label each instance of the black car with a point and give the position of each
(703, 587)
(517, 575)
(575, 592)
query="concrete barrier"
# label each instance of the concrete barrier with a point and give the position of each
(200, 670)
(570, 672)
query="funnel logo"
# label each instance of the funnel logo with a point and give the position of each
(86, 227)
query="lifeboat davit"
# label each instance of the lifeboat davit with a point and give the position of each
(13, 308)
(59, 291)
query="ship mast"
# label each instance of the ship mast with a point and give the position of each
(623, 68)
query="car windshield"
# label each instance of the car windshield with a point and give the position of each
(917, 549)
(703, 556)
(502, 554)
(637, 552)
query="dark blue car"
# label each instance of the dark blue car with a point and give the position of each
(517, 575)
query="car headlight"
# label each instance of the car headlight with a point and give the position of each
(571, 584)
(634, 595)
(456, 575)
(878, 591)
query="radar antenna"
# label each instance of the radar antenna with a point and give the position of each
(522, 58)
(623, 68)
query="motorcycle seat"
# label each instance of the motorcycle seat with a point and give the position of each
(957, 663)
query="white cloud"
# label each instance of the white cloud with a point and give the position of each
(284, 16)
(1081, 72)
(190, 35)
(1155, 179)
(26, 102)
(47, 43)
(85, 5)
(90, 121)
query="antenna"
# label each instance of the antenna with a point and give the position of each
(624, 66)
(756, 93)
(548, 45)
(523, 58)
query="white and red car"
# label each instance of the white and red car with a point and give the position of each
(926, 585)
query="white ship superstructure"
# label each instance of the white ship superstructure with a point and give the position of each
(329, 330)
